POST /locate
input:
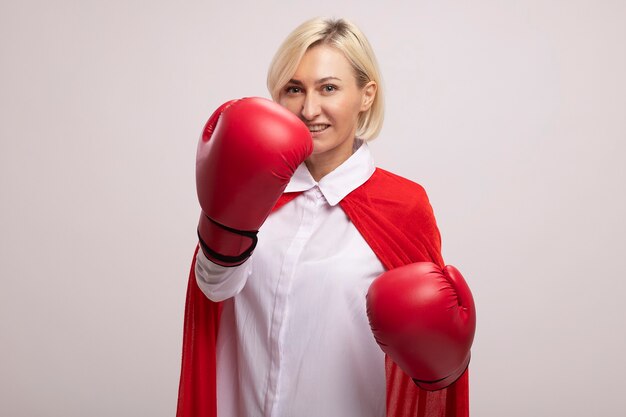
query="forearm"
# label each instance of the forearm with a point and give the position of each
(219, 282)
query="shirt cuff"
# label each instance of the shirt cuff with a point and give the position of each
(220, 282)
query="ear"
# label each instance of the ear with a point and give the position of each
(369, 93)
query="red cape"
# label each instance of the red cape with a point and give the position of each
(394, 216)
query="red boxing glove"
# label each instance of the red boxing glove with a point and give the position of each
(249, 150)
(424, 318)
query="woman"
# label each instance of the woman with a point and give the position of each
(294, 337)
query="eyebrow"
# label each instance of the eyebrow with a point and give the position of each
(320, 81)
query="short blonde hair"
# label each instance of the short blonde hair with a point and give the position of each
(347, 38)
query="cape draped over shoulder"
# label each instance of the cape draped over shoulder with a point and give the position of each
(395, 218)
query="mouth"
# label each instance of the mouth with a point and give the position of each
(317, 128)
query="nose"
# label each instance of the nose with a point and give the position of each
(310, 107)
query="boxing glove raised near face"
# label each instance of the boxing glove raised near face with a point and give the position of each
(248, 151)
(424, 318)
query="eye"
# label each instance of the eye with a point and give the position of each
(290, 89)
(329, 88)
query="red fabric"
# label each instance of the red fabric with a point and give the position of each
(394, 216)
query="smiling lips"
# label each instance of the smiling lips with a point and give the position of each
(316, 128)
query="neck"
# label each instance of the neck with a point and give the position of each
(320, 165)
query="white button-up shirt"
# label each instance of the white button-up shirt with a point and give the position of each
(294, 339)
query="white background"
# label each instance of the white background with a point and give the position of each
(512, 114)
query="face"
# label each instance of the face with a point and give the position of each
(324, 94)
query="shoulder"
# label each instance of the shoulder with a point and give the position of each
(391, 178)
(402, 206)
(394, 197)
(411, 207)
(395, 187)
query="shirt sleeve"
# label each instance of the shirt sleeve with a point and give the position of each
(220, 282)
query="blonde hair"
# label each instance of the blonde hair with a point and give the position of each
(347, 38)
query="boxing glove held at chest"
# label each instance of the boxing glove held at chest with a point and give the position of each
(248, 152)
(424, 318)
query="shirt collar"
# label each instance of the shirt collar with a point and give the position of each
(340, 182)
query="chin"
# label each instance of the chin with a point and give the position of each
(318, 146)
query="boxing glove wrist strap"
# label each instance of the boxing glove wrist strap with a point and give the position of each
(231, 260)
(421, 383)
(437, 384)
